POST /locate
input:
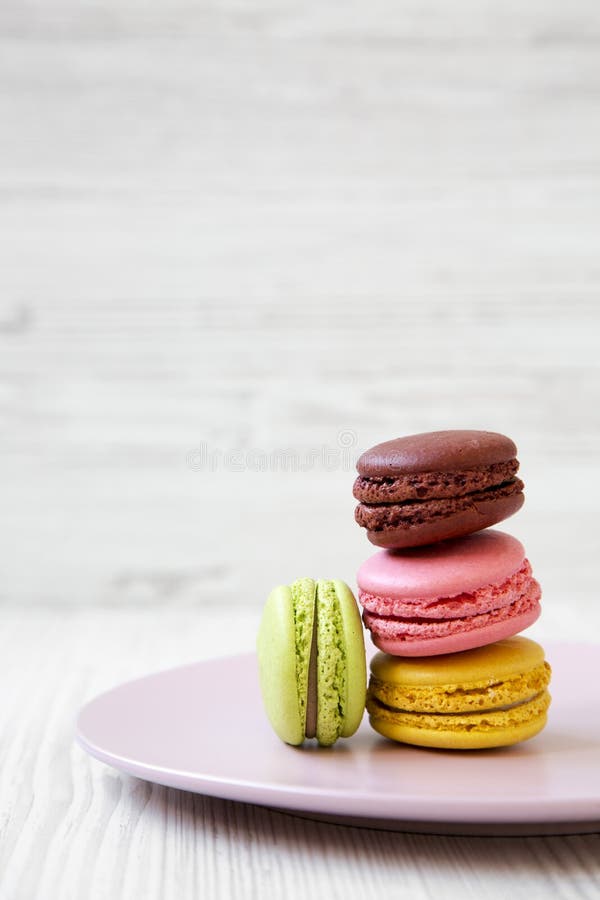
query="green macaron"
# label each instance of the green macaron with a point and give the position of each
(311, 657)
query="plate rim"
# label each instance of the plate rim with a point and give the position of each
(510, 810)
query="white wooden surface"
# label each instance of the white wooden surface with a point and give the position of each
(256, 228)
(73, 828)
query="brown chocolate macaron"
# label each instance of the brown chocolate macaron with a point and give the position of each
(430, 487)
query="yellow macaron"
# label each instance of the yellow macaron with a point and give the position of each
(492, 696)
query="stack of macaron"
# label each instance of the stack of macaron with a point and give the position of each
(444, 601)
(446, 596)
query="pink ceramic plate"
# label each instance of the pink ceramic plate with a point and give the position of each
(202, 728)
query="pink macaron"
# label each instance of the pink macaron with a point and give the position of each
(450, 596)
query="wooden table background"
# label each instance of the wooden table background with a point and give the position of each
(240, 242)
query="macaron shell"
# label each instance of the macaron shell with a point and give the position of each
(356, 666)
(276, 650)
(436, 451)
(443, 570)
(499, 661)
(457, 739)
(477, 515)
(341, 662)
(459, 642)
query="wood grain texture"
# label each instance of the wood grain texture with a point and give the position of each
(219, 252)
(74, 829)
(239, 239)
